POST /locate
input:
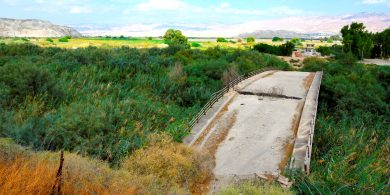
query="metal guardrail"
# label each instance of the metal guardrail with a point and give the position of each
(217, 95)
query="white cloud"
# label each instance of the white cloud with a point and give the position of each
(161, 5)
(302, 24)
(284, 10)
(39, 1)
(11, 2)
(373, 1)
(225, 5)
(226, 9)
(79, 10)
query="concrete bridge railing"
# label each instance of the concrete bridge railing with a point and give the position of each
(304, 139)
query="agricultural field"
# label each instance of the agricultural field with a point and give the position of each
(204, 43)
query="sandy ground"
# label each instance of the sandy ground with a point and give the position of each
(380, 62)
(249, 136)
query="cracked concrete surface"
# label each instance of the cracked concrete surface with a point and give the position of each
(265, 109)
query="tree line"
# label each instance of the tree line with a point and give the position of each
(363, 44)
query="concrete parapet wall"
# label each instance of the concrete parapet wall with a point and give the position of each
(304, 139)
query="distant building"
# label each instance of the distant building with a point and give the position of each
(310, 47)
(310, 50)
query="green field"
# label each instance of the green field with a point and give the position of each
(144, 42)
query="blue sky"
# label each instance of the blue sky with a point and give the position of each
(192, 15)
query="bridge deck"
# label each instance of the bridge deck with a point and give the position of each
(254, 132)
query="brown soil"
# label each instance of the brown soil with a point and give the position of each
(213, 123)
(216, 138)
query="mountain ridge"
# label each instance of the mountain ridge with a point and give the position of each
(34, 28)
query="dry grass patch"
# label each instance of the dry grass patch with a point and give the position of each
(26, 172)
(166, 166)
(254, 188)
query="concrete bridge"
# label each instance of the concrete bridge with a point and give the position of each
(261, 126)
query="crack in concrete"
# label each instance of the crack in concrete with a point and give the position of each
(268, 95)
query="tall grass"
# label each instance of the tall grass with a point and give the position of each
(351, 146)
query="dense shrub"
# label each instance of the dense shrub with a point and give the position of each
(285, 49)
(333, 50)
(324, 50)
(277, 39)
(265, 48)
(250, 40)
(221, 40)
(22, 80)
(195, 44)
(313, 63)
(105, 102)
(350, 153)
(63, 39)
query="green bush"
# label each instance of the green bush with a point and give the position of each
(250, 39)
(265, 48)
(313, 63)
(277, 39)
(63, 39)
(221, 40)
(324, 50)
(346, 58)
(196, 44)
(285, 49)
(22, 80)
(49, 40)
(350, 147)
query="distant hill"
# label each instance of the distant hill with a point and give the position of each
(34, 28)
(269, 34)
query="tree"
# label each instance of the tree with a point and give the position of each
(296, 41)
(250, 40)
(49, 40)
(335, 38)
(175, 37)
(381, 48)
(287, 48)
(221, 40)
(277, 39)
(357, 40)
(176, 40)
